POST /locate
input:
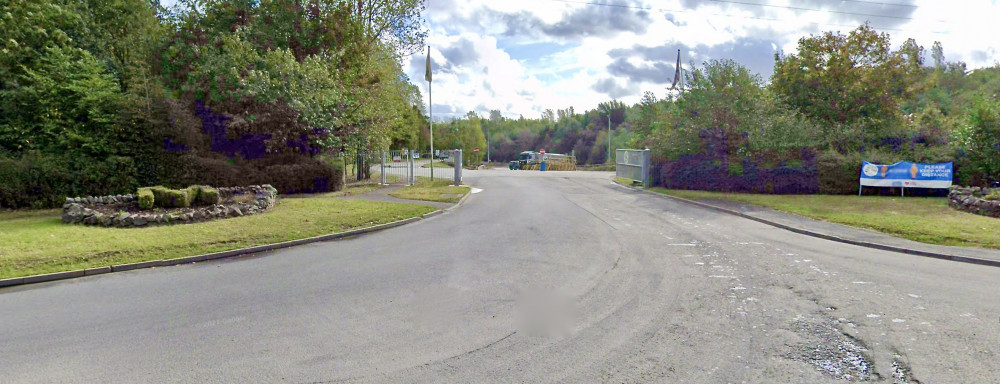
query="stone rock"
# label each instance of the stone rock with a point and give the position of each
(139, 221)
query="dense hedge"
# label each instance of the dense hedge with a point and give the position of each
(702, 172)
(287, 173)
(38, 180)
(44, 181)
(828, 172)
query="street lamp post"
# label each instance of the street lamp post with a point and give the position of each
(609, 137)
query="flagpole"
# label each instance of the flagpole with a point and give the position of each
(430, 106)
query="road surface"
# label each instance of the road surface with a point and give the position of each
(541, 277)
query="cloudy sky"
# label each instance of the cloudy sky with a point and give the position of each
(523, 56)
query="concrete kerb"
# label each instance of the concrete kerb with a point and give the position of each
(460, 201)
(15, 281)
(883, 247)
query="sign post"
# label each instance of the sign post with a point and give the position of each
(542, 166)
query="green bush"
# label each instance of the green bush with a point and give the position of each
(37, 180)
(192, 193)
(146, 198)
(177, 199)
(207, 196)
(306, 176)
(164, 197)
(159, 195)
(838, 173)
(979, 142)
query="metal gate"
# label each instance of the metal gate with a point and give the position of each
(633, 164)
(379, 167)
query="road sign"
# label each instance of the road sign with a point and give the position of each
(476, 149)
(542, 151)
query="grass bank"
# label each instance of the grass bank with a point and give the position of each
(36, 242)
(924, 219)
(439, 190)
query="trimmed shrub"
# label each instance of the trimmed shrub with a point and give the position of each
(207, 196)
(146, 198)
(164, 197)
(289, 173)
(307, 176)
(37, 180)
(159, 195)
(177, 199)
(192, 193)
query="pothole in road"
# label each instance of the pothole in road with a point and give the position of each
(901, 372)
(832, 351)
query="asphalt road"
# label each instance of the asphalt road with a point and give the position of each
(541, 277)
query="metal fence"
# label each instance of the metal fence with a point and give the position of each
(633, 164)
(379, 167)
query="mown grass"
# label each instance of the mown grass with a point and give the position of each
(624, 181)
(350, 190)
(38, 242)
(427, 190)
(598, 167)
(924, 219)
(437, 164)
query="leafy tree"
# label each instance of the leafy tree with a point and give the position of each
(979, 141)
(396, 23)
(55, 96)
(937, 52)
(846, 81)
(648, 107)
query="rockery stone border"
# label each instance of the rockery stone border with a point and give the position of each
(88, 210)
(971, 200)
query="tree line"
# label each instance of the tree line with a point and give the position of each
(101, 96)
(839, 100)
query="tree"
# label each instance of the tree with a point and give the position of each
(55, 96)
(396, 23)
(938, 54)
(847, 81)
(549, 115)
(979, 141)
(642, 124)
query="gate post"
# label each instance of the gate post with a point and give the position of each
(458, 166)
(383, 167)
(645, 168)
(409, 160)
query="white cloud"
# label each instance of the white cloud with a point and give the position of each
(530, 55)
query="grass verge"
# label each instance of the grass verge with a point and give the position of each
(598, 167)
(40, 243)
(439, 190)
(437, 164)
(350, 190)
(924, 219)
(624, 181)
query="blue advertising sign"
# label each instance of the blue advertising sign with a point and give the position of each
(907, 175)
